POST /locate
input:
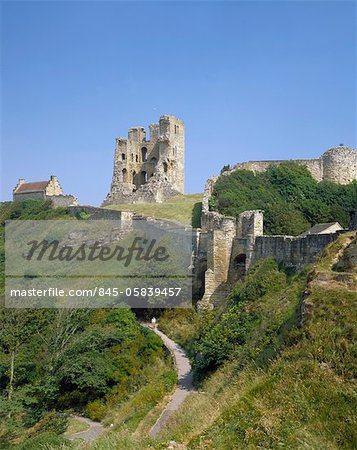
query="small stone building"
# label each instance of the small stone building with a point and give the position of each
(323, 228)
(43, 190)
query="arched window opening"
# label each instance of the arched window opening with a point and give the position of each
(165, 166)
(134, 177)
(136, 158)
(123, 156)
(143, 177)
(125, 176)
(144, 154)
(153, 160)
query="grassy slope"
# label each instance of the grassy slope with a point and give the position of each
(183, 208)
(304, 399)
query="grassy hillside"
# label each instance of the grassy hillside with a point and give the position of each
(274, 368)
(304, 396)
(183, 208)
(284, 358)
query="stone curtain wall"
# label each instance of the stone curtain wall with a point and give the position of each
(338, 164)
(62, 201)
(101, 213)
(292, 252)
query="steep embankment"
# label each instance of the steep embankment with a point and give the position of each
(302, 398)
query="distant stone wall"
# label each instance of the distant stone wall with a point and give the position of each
(314, 166)
(292, 252)
(62, 201)
(101, 213)
(338, 164)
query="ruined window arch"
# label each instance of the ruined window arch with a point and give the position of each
(136, 158)
(123, 156)
(239, 264)
(134, 176)
(153, 160)
(143, 177)
(144, 154)
(125, 175)
(165, 166)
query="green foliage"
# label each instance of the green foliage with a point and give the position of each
(82, 215)
(305, 397)
(46, 441)
(54, 422)
(96, 410)
(290, 197)
(254, 324)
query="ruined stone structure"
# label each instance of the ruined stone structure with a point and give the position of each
(149, 170)
(43, 190)
(227, 246)
(338, 164)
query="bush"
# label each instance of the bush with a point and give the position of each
(54, 422)
(45, 441)
(254, 325)
(96, 410)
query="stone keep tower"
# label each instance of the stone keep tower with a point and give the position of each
(149, 170)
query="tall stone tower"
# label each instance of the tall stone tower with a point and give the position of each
(149, 170)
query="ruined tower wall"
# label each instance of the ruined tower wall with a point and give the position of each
(340, 165)
(149, 170)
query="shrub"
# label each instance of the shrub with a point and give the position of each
(96, 410)
(45, 441)
(54, 422)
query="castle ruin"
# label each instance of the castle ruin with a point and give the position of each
(228, 246)
(338, 164)
(149, 170)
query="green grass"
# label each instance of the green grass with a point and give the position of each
(76, 426)
(185, 209)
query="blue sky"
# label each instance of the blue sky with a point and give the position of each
(251, 80)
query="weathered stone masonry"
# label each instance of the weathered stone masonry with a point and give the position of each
(149, 170)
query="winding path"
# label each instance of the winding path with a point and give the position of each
(183, 389)
(95, 429)
(184, 374)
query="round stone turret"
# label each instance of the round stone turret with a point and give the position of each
(340, 165)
